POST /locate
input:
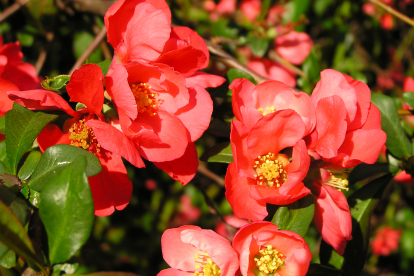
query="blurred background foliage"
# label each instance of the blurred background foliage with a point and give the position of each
(55, 33)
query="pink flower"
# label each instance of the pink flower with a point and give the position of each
(348, 129)
(273, 71)
(293, 47)
(186, 214)
(409, 84)
(226, 6)
(266, 129)
(232, 221)
(263, 249)
(385, 241)
(111, 188)
(251, 8)
(190, 250)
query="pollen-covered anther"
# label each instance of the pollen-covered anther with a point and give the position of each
(267, 110)
(270, 169)
(338, 179)
(268, 260)
(82, 136)
(146, 100)
(205, 266)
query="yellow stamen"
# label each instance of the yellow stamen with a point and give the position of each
(268, 261)
(146, 100)
(270, 169)
(338, 179)
(267, 110)
(205, 265)
(82, 136)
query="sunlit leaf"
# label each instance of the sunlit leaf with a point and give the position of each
(104, 65)
(220, 153)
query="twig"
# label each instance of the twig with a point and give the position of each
(397, 14)
(42, 56)
(274, 56)
(206, 172)
(105, 49)
(95, 43)
(12, 9)
(231, 61)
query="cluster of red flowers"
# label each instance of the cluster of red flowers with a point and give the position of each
(161, 103)
(287, 144)
(258, 248)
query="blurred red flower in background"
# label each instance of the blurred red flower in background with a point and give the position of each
(385, 241)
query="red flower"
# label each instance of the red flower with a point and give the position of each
(265, 250)
(232, 221)
(385, 241)
(261, 138)
(293, 46)
(348, 129)
(190, 250)
(273, 71)
(159, 95)
(112, 187)
(251, 8)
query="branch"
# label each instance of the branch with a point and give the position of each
(42, 56)
(95, 43)
(397, 14)
(12, 9)
(206, 172)
(274, 56)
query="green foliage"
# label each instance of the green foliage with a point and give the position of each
(105, 65)
(361, 204)
(408, 98)
(80, 44)
(55, 84)
(321, 270)
(397, 142)
(259, 45)
(67, 211)
(219, 153)
(57, 158)
(311, 66)
(296, 216)
(234, 73)
(22, 127)
(29, 165)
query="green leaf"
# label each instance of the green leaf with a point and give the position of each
(311, 66)
(67, 211)
(234, 73)
(3, 124)
(56, 83)
(25, 39)
(300, 7)
(361, 204)
(321, 270)
(105, 65)
(296, 216)
(3, 168)
(221, 28)
(14, 236)
(259, 45)
(397, 142)
(364, 171)
(264, 9)
(220, 153)
(81, 42)
(8, 259)
(29, 165)
(66, 268)
(408, 98)
(58, 157)
(22, 127)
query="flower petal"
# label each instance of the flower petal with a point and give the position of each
(52, 135)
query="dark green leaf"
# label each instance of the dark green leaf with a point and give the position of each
(67, 268)
(56, 83)
(34, 198)
(408, 98)
(105, 65)
(259, 45)
(364, 171)
(301, 7)
(22, 127)
(58, 157)
(264, 9)
(29, 165)
(296, 216)
(9, 259)
(311, 66)
(220, 153)
(25, 39)
(81, 42)
(3, 155)
(3, 124)
(234, 73)
(3, 168)
(321, 270)
(221, 28)
(67, 211)
(361, 203)
(397, 142)
(14, 236)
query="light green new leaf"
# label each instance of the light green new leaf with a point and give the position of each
(67, 211)
(22, 127)
(220, 153)
(14, 236)
(58, 157)
(361, 203)
(397, 142)
(296, 216)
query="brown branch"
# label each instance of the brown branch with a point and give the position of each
(231, 61)
(95, 43)
(42, 56)
(104, 46)
(274, 56)
(395, 13)
(12, 9)
(206, 172)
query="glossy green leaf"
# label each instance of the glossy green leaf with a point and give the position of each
(361, 203)
(8, 259)
(296, 216)
(58, 157)
(397, 142)
(14, 236)
(311, 66)
(67, 211)
(22, 127)
(29, 165)
(234, 73)
(408, 98)
(66, 268)
(364, 171)
(56, 83)
(104, 65)
(321, 270)
(220, 153)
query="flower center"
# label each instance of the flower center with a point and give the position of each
(145, 99)
(267, 110)
(82, 136)
(205, 265)
(338, 179)
(268, 261)
(270, 169)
